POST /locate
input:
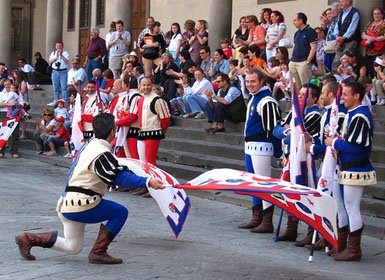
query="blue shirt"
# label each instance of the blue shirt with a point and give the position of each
(224, 67)
(352, 27)
(302, 43)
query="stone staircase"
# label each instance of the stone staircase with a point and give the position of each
(188, 151)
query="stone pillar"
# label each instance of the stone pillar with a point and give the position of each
(54, 29)
(123, 11)
(220, 16)
(5, 31)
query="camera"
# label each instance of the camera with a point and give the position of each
(57, 64)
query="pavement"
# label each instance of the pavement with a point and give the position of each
(210, 246)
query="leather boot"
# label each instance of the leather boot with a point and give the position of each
(291, 230)
(267, 223)
(99, 253)
(27, 240)
(307, 240)
(342, 240)
(256, 218)
(318, 246)
(353, 249)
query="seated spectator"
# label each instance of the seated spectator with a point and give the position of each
(254, 53)
(76, 76)
(138, 73)
(70, 112)
(128, 68)
(226, 48)
(98, 77)
(177, 106)
(283, 83)
(105, 91)
(271, 71)
(44, 127)
(194, 98)
(27, 70)
(41, 74)
(344, 70)
(61, 109)
(53, 141)
(220, 63)
(166, 80)
(206, 62)
(367, 83)
(227, 104)
(378, 81)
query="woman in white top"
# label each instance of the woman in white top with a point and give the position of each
(275, 32)
(175, 42)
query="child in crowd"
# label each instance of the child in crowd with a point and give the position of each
(345, 70)
(283, 82)
(176, 103)
(58, 139)
(17, 109)
(226, 48)
(367, 83)
(70, 113)
(106, 89)
(61, 110)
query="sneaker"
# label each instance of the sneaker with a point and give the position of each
(39, 152)
(381, 102)
(50, 153)
(16, 155)
(68, 155)
(53, 103)
(286, 98)
(22, 137)
(200, 115)
(187, 115)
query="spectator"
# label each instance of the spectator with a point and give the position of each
(274, 33)
(226, 48)
(61, 109)
(357, 63)
(206, 62)
(41, 68)
(27, 70)
(77, 77)
(373, 39)
(282, 54)
(318, 69)
(257, 34)
(198, 39)
(265, 19)
(59, 59)
(347, 30)
(378, 81)
(98, 77)
(105, 90)
(194, 98)
(255, 57)
(138, 73)
(220, 63)
(21, 89)
(227, 104)
(70, 112)
(150, 20)
(175, 42)
(119, 43)
(44, 126)
(96, 50)
(153, 45)
(283, 83)
(166, 80)
(53, 141)
(108, 39)
(305, 45)
(241, 34)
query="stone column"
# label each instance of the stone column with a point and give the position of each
(123, 11)
(54, 29)
(5, 31)
(220, 16)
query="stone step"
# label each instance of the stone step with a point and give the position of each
(378, 155)
(373, 207)
(377, 191)
(202, 124)
(204, 147)
(380, 171)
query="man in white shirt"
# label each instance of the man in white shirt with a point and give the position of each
(59, 59)
(27, 69)
(118, 46)
(77, 76)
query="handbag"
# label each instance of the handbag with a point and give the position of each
(330, 47)
(285, 42)
(375, 46)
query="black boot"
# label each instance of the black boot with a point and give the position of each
(99, 253)
(256, 218)
(27, 240)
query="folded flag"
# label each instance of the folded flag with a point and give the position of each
(7, 126)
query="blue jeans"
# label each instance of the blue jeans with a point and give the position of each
(91, 65)
(56, 141)
(59, 83)
(196, 103)
(114, 213)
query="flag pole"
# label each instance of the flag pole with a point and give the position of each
(276, 239)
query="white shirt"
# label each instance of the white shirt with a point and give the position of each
(27, 68)
(63, 65)
(77, 75)
(199, 87)
(119, 48)
(8, 97)
(174, 42)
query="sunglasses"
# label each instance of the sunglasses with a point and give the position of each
(49, 115)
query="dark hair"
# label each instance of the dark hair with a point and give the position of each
(280, 16)
(234, 62)
(22, 59)
(139, 69)
(108, 74)
(314, 91)
(189, 25)
(329, 78)
(259, 73)
(37, 54)
(356, 88)
(206, 49)
(253, 18)
(274, 62)
(224, 77)
(255, 49)
(130, 81)
(119, 22)
(91, 82)
(243, 50)
(302, 17)
(265, 10)
(154, 24)
(185, 54)
(221, 53)
(102, 125)
(332, 87)
(177, 26)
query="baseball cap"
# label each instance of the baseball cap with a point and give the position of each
(60, 119)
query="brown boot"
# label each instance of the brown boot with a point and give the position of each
(353, 249)
(342, 240)
(27, 240)
(256, 219)
(99, 253)
(318, 246)
(291, 230)
(307, 240)
(267, 223)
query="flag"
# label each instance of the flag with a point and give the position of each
(77, 138)
(7, 126)
(173, 203)
(325, 182)
(99, 99)
(315, 208)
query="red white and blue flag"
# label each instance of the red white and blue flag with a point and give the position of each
(7, 126)
(77, 138)
(315, 208)
(173, 203)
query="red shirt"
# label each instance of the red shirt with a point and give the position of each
(62, 131)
